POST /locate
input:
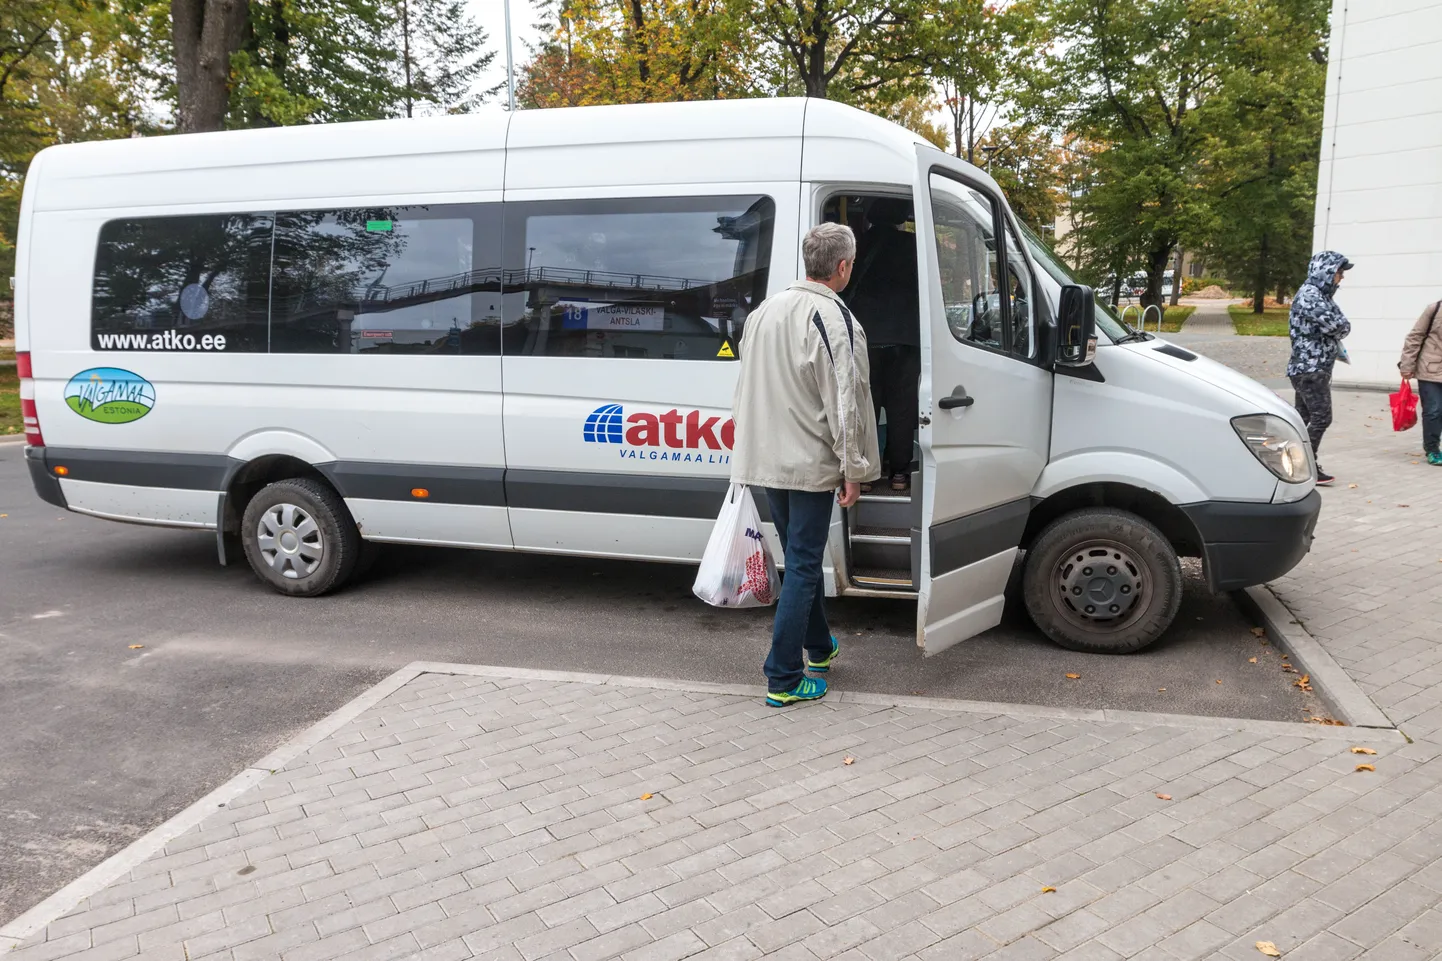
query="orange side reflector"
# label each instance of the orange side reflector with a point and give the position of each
(61, 471)
(420, 492)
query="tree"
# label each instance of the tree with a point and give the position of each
(1133, 75)
(1262, 142)
(862, 46)
(1027, 165)
(314, 61)
(69, 71)
(205, 33)
(442, 52)
(634, 51)
(972, 49)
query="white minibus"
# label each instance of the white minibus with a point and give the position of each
(519, 332)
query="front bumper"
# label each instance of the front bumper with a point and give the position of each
(1245, 544)
(47, 485)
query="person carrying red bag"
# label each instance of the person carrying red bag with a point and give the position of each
(1422, 359)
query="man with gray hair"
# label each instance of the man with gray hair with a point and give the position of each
(806, 434)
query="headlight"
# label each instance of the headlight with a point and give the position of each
(1277, 445)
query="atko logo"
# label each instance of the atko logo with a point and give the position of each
(687, 437)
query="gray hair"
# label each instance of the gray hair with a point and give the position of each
(825, 246)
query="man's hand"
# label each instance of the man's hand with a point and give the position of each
(850, 494)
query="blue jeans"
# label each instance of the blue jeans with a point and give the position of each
(1431, 393)
(802, 520)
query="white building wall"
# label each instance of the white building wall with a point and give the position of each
(1379, 186)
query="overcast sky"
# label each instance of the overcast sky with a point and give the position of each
(491, 15)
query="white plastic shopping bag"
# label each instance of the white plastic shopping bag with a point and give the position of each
(737, 569)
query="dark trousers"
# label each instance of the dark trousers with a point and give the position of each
(802, 520)
(1431, 393)
(1314, 403)
(895, 379)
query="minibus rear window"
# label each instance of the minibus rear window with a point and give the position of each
(190, 283)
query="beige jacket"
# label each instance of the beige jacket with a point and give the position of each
(1422, 351)
(804, 418)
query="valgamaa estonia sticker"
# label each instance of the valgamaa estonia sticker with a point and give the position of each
(109, 395)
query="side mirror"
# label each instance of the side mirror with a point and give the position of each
(1077, 326)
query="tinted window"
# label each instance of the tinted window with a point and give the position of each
(182, 283)
(671, 278)
(387, 280)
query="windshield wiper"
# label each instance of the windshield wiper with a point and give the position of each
(1133, 336)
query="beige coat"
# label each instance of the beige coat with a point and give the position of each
(803, 411)
(1422, 351)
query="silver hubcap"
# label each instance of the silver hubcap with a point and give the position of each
(290, 541)
(1100, 585)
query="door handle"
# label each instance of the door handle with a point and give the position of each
(964, 400)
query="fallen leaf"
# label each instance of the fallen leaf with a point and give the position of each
(647, 797)
(1251, 660)
(1351, 487)
(136, 647)
(1048, 890)
(1404, 505)
(1259, 631)
(1366, 767)
(4, 515)
(1164, 797)
(848, 760)
(1363, 750)
(1219, 680)
(1269, 949)
(1161, 690)
(1073, 677)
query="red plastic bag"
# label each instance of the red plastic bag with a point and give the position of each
(1404, 407)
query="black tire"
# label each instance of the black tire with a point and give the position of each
(1102, 581)
(320, 553)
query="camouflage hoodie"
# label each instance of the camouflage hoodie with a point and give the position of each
(1317, 323)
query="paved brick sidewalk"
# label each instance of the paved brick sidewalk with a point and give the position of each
(474, 816)
(1371, 589)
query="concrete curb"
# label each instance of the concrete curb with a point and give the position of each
(12, 439)
(63, 901)
(1347, 701)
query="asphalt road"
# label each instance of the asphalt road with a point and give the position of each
(102, 742)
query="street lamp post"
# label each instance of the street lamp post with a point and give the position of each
(990, 151)
(510, 65)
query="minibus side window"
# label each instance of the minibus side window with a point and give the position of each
(190, 283)
(966, 253)
(655, 278)
(387, 280)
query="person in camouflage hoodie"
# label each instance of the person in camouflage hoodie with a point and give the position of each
(1317, 326)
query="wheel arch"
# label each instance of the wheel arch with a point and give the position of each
(249, 477)
(1170, 519)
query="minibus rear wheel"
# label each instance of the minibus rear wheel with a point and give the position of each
(1103, 581)
(300, 538)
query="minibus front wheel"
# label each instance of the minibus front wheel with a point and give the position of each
(299, 537)
(1103, 581)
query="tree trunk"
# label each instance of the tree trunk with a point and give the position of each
(1177, 278)
(1259, 288)
(1156, 263)
(970, 131)
(204, 34)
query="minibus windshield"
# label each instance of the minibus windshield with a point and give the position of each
(1058, 271)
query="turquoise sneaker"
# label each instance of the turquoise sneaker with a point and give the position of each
(822, 666)
(1435, 459)
(809, 689)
